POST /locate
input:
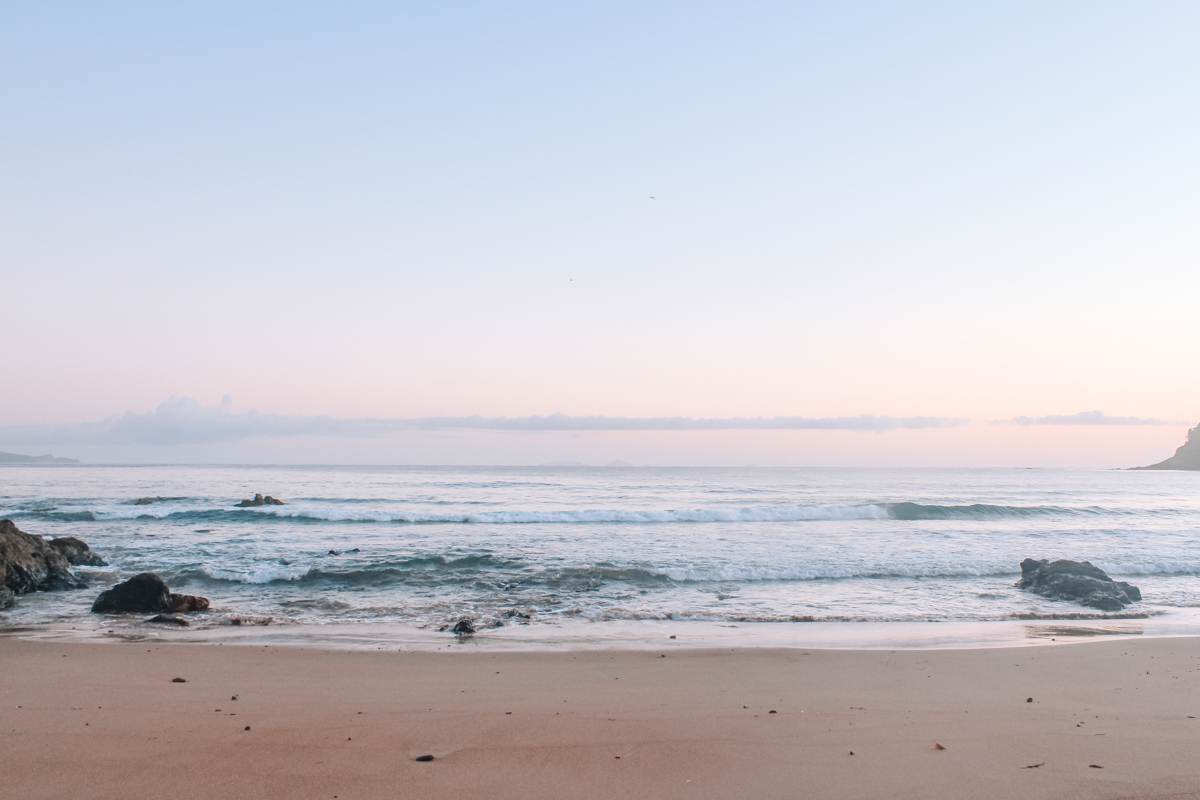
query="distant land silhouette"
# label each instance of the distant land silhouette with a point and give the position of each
(1186, 457)
(17, 458)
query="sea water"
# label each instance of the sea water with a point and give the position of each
(550, 551)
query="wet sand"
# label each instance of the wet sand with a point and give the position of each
(107, 721)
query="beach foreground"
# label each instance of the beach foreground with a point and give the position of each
(107, 721)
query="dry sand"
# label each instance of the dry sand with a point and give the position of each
(106, 721)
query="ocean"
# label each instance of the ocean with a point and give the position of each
(563, 554)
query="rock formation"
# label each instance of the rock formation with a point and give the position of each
(1078, 582)
(146, 592)
(30, 564)
(260, 500)
(1186, 457)
(77, 553)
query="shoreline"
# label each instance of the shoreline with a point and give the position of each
(627, 636)
(108, 721)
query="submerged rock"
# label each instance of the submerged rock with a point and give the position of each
(1078, 582)
(260, 500)
(29, 564)
(77, 552)
(149, 501)
(145, 592)
(168, 619)
(464, 627)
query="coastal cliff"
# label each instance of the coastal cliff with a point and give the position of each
(18, 458)
(1186, 457)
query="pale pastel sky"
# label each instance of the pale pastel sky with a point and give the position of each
(398, 211)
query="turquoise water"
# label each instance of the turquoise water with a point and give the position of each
(547, 549)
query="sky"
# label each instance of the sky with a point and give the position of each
(356, 218)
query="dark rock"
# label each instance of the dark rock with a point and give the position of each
(1078, 582)
(424, 758)
(149, 501)
(29, 564)
(7, 598)
(77, 553)
(168, 619)
(143, 592)
(464, 627)
(146, 592)
(260, 500)
(178, 680)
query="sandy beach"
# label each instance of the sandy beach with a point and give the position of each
(1097, 720)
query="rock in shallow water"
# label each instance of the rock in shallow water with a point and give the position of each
(77, 552)
(145, 592)
(182, 603)
(260, 500)
(29, 564)
(1078, 582)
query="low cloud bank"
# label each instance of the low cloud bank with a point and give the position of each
(1087, 418)
(182, 420)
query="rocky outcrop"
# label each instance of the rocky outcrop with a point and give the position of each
(7, 598)
(260, 500)
(1077, 582)
(77, 553)
(29, 564)
(1187, 456)
(146, 592)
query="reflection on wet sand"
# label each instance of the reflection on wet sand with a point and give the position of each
(1055, 631)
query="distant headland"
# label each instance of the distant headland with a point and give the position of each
(17, 458)
(1186, 457)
